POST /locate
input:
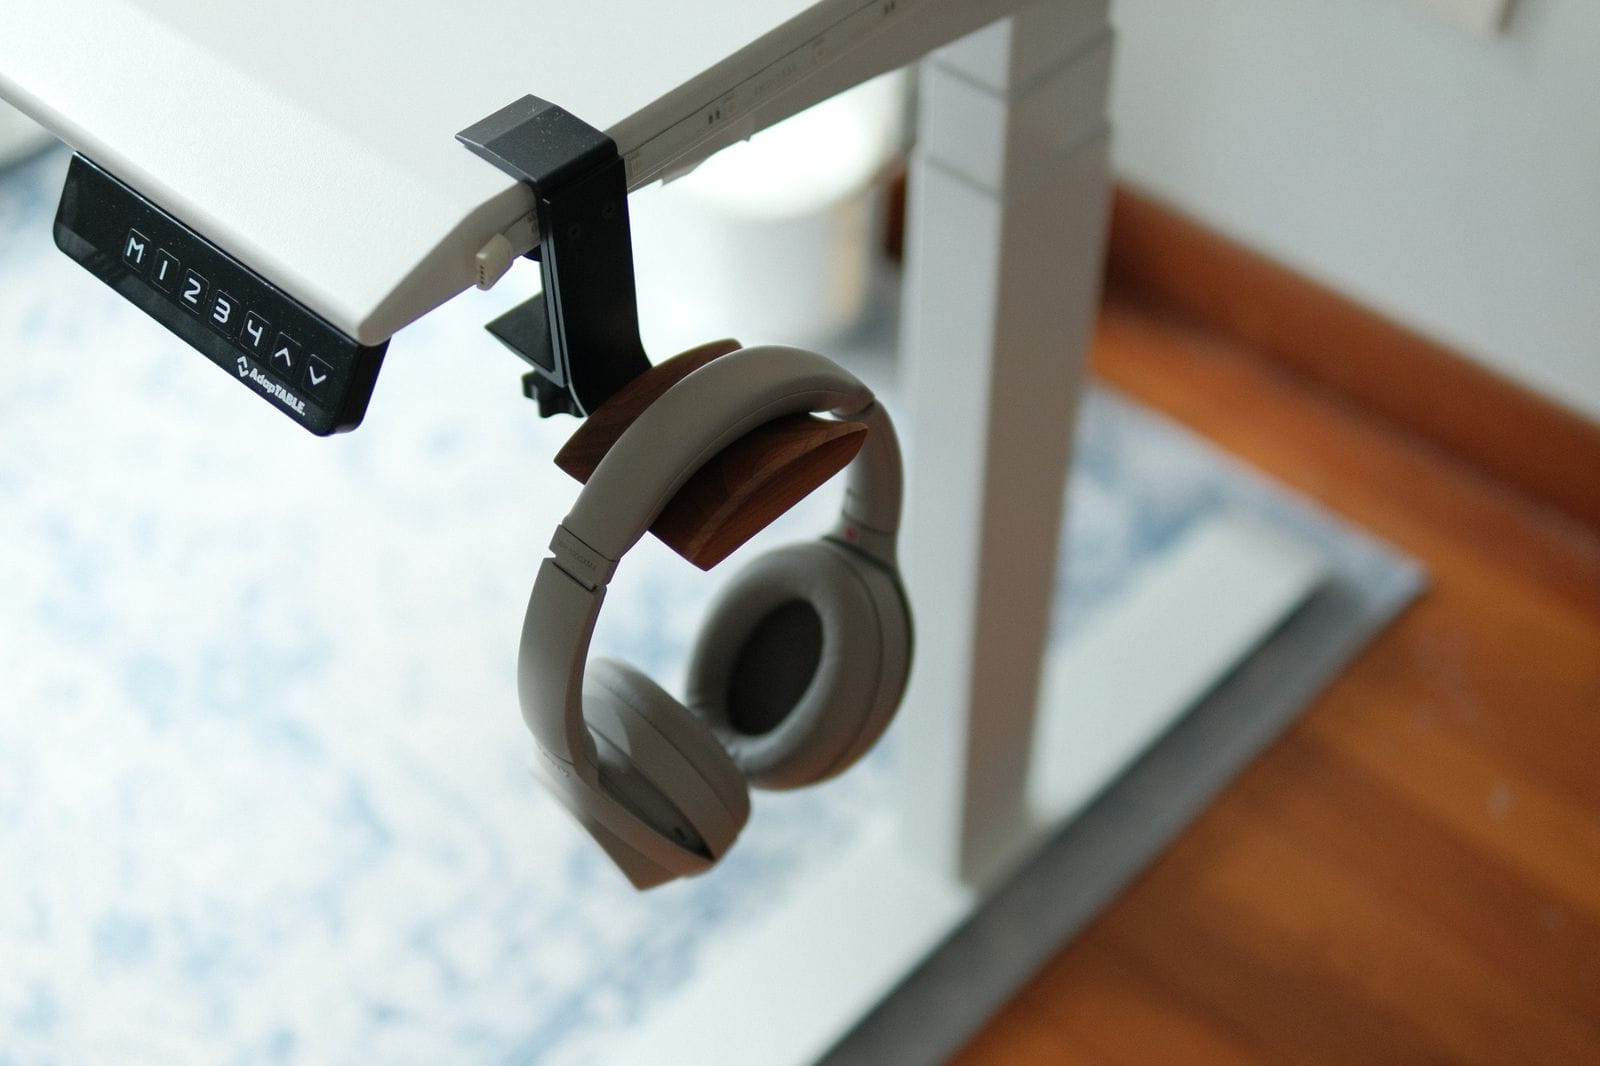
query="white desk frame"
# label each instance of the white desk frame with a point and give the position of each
(1006, 234)
(1005, 230)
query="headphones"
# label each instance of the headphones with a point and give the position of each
(797, 670)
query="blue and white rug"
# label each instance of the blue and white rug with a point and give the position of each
(263, 786)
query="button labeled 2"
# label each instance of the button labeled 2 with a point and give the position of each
(194, 291)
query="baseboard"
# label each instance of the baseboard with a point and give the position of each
(1543, 449)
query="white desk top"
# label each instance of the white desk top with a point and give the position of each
(315, 140)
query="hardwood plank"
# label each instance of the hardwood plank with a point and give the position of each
(1279, 896)
(1511, 672)
(1504, 814)
(1027, 1040)
(1539, 939)
(1255, 978)
(1096, 1023)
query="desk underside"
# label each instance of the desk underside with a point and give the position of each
(316, 142)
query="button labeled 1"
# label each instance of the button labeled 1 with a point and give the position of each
(167, 270)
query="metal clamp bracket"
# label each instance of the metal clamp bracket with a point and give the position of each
(581, 334)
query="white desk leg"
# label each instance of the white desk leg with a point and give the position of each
(1008, 201)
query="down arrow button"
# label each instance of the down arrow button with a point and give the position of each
(318, 378)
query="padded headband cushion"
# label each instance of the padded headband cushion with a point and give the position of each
(791, 666)
(690, 423)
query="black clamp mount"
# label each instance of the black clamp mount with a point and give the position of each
(581, 334)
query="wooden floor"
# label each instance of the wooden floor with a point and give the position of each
(1413, 872)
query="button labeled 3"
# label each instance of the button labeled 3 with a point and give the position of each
(222, 312)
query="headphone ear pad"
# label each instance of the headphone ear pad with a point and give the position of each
(801, 663)
(662, 762)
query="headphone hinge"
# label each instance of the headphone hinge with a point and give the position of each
(580, 562)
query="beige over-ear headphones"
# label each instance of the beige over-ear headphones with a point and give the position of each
(797, 671)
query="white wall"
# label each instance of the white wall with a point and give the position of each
(1447, 179)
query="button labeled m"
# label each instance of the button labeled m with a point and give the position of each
(134, 249)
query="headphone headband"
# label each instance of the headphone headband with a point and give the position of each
(677, 434)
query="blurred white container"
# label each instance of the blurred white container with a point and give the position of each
(771, 240)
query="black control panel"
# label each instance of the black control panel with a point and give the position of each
(270, 342)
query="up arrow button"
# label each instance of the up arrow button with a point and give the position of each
(285, 354)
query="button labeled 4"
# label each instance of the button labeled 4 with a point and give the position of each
(254, 335)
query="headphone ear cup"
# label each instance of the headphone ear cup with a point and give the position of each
(801, 663)
(660, 761)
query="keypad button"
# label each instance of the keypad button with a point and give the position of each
(136, 250)
(193, 292)
(166, 271)
(318, 377)
(285, 355)
(254, 335)
(224, 315)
